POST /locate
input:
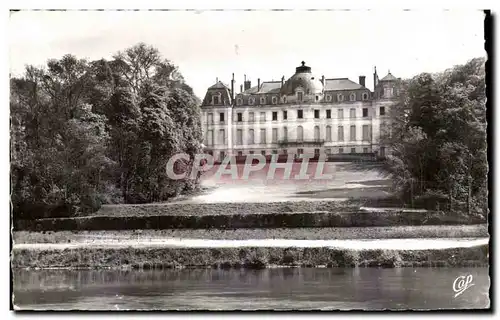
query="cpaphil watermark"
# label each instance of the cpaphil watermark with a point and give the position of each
(461, 284)
(301, 167)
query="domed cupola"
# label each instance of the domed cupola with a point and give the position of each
(302, 86)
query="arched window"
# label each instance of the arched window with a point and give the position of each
(239, 101)
(300, 134)
(275, 100)
(251, 101)
(316, 133)
(284, 99)
(328, 133)
(365, 96)
(340, 97)
(262, 100)
(352, 97)
(328, 98)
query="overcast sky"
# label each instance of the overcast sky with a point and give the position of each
(260, 44)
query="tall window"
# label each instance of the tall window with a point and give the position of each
(316, 114)
(340, 113)
(285, 133)
(251, 117)
(222, 136)
(275, 135)
(210, 118)
(328, 114)
(239, 136)
(262, 135)
(316, 133)
(382, 151)
(388, 92)
(275, 116)
(221, 117)
(299, 96)
(328, 133)
(365, 112)
(300, 133)
(285, 115)
(382, 111)
(340, 133)
(353, 133)
(240, 117)
(251, 136)
(352, 113)
(215, 99)
(366, 133)
(262, 117)
(300, 114)
(210, 137)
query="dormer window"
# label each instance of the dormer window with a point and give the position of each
(317, 98)
(284, 99)
(239, 101)
(365, 96)
(328, 98)
(216, 99)
(274, 100)
(262, 100)
(300, 96)
(340, 97)
(251, 101)
(352, 97)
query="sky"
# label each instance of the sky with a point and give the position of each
(207, 45)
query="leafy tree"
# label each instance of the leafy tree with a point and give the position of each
(439, 138)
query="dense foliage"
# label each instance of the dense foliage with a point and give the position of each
(438, 139)
(85, 133)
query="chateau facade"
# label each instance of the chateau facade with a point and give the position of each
(301, 115)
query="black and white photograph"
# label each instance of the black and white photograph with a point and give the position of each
(249, 160)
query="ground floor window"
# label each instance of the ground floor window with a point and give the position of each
(353, 150)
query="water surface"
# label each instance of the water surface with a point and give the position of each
(275, 289)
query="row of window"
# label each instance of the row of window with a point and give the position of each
(300, 97)
(366, 135)
(300, 151)
(300, 115)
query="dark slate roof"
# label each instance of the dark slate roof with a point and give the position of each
(219, 85)
(270, 87)
(341, 84)
(251, 90)
(389, 77)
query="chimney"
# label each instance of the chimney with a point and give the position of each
(258, 84)
(241, 88)
(323, 80)
(216, 80)
(282, 80)
(375, 77)
(362, 80)
(232, 88)
(248, 84)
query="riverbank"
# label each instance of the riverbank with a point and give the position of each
(164, 255)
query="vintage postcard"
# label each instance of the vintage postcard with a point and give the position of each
(249, 160)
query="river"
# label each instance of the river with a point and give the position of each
(242, 289)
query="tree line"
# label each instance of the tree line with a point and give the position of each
(438, 139)
(85, 133)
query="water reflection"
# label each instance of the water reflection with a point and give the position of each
(288, 288)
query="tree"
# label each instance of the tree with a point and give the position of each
(439, 145)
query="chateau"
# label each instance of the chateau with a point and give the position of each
(304, 114)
